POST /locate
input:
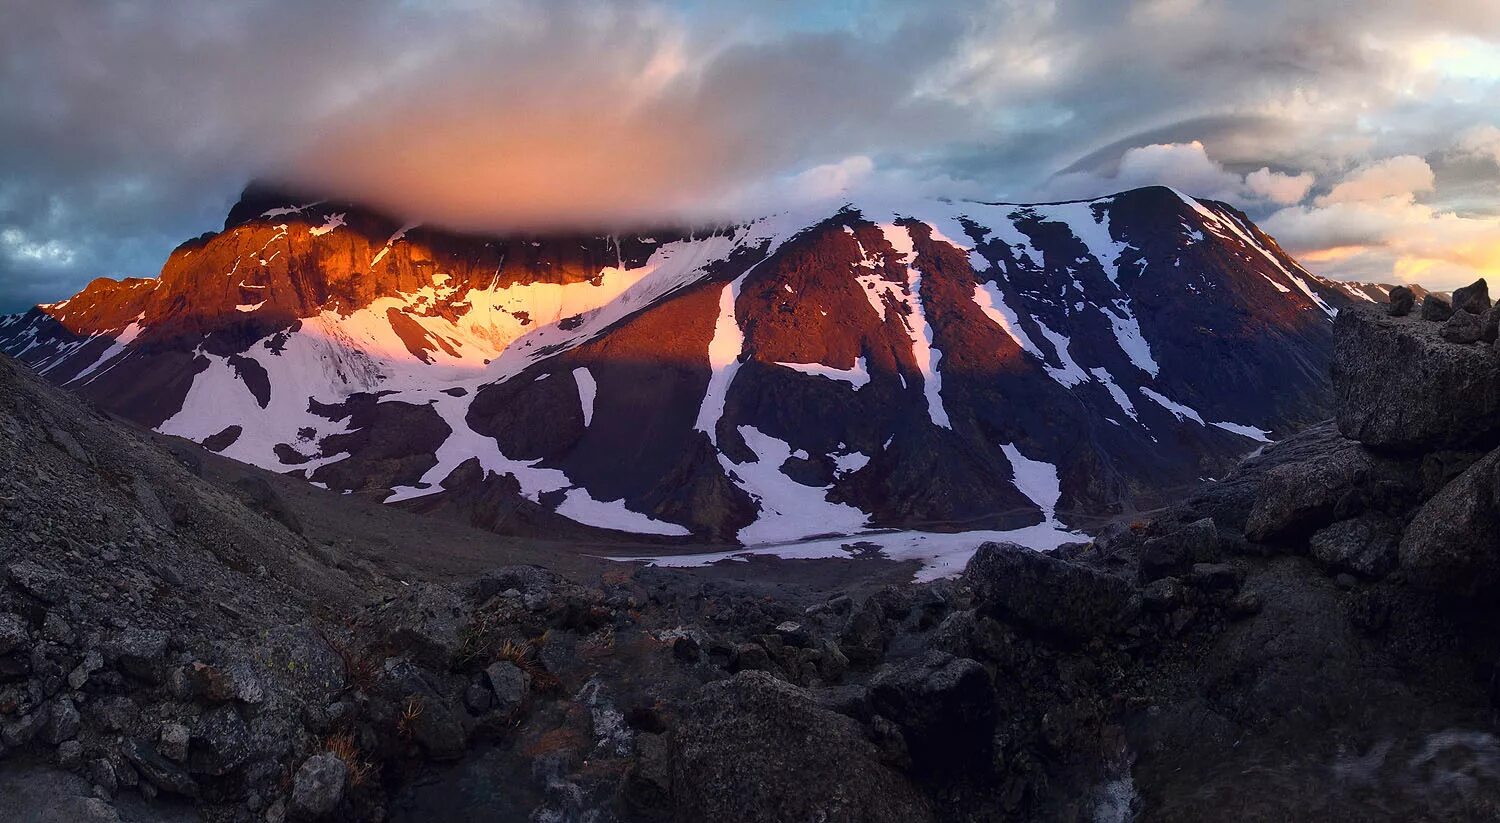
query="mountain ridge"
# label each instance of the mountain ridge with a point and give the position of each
(923, 363)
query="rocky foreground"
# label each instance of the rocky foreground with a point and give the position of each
(1312, 638)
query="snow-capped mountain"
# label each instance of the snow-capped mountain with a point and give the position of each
(925, 364)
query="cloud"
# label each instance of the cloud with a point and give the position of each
(1372, 226)
(1186, 167)
(1278, 187)
(1480, 142)
(1394, 177)
(128, 125)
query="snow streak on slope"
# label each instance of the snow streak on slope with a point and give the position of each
(586, 391)
(723, 360)
(928, 357)
(992, 303)
(855, 377)
(1035, 479)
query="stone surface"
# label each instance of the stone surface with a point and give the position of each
(1452, 543)
(1473, 298)
(509, 684)
(752, 748)
(1401, 302)
(1044, 593)
(319, 786)
(1435, 308)
(1463, 328)
(945, 707)
(1365, 545)
(1399, 385)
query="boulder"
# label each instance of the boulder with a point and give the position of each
(755, 749)
(319, 786)
(862, 639)
(221, 742)
(1402, 301)
(1365, 545)
(1399, 385)
(1451, 542)
(945, 707)
(158, 771)
(509, 683)
(1196, 542)
(1462, 328)
(1041, 592)
(1489, 325)
(13, 632)
(1436, 308)
(173, 742)
(43, 584)
(1473, 298)
(63, 722)
(139, 653)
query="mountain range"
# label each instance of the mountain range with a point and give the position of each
(925, 364)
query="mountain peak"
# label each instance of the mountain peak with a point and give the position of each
(918, 364)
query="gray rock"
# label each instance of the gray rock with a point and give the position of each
(1416, 408)
(1214, 577)
(173, 742)
(319, 786)
(1401, 303)
(34, 793)
(46, 586)
(157, 770)
(92, 662)
(1197, 542)
(1450, 543)
(139, 653)
(793, 633)
(20, 731)
(69, 752)
(1436, 308)
(1162, 595)
(945, 707)
(63, 722)
(1365, 545)
(477, 699)
(440, 732)
(863, 637)
(13, 632)
(1473, 298)
(1489, 325)
(509, 683)
(757, 750)
(1041, 592)
(221, 742)
(1462, 328)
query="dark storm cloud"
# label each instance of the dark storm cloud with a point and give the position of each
(126, 127)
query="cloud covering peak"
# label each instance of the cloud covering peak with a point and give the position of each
(128, 125)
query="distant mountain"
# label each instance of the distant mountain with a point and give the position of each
(924, 364)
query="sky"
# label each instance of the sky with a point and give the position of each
(1364, 135)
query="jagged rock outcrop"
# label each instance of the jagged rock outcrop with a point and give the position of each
(1399, 385)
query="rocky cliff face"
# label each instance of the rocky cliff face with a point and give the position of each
(925, 364)
(1311, 638)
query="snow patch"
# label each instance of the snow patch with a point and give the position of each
(788, 509)
(586, 391)
(856, 377)
(332, 222)
(1035, 479)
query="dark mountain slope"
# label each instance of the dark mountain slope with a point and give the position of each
(926, 364)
